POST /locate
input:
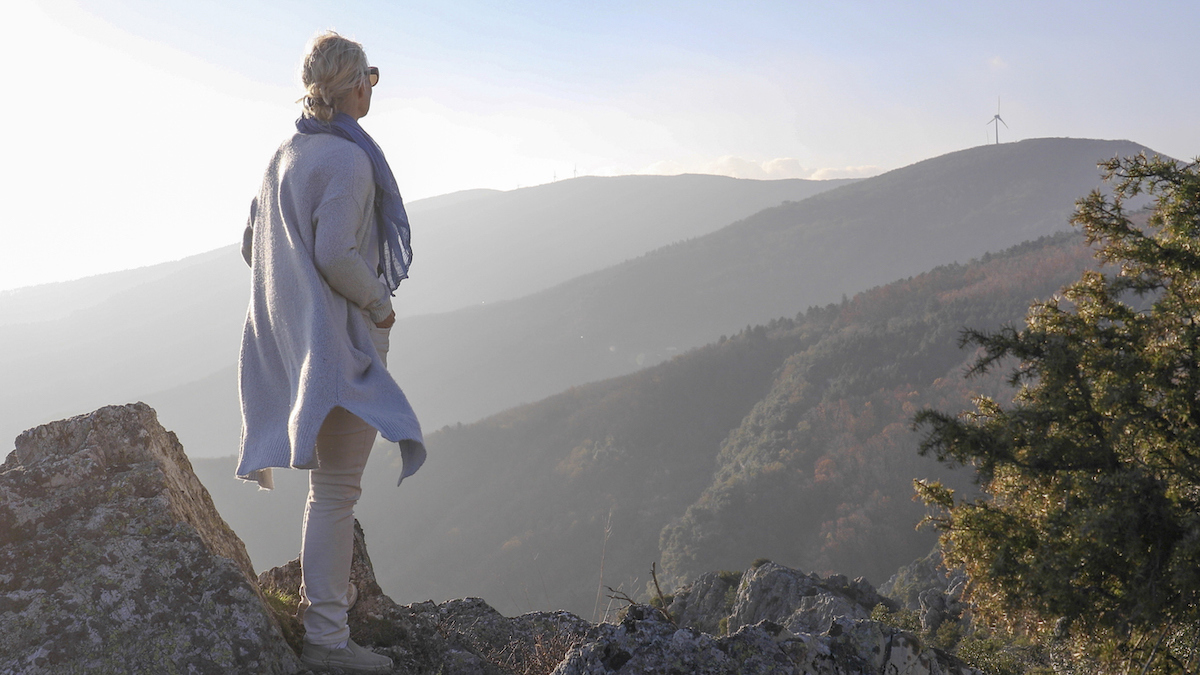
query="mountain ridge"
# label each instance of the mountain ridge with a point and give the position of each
(186, 318)
(479, 360)
(770, 264)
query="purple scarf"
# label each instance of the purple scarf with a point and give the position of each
(395, 252)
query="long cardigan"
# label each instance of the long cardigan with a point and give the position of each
(306, 346)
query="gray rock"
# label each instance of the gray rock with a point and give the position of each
(803, 603)
(518, 642)
(932, 590)
(911, 581)
(705, 602)
(645, 642)
(114, 560)
(529, 643)
(771, 592)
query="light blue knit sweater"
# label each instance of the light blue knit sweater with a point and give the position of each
(306, 347)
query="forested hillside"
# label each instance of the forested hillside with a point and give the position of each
(467, 364)
(789, 440)
(832, 439)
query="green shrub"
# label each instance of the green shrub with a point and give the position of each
(904, 619)
(996, 656)
(732, 578)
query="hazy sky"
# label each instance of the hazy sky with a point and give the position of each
(138, 129)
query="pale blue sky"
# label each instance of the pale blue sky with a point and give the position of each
(151, 121)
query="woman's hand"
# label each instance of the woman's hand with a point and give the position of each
(387, 323)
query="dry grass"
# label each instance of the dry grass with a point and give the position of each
(540, 658)
(283, 605)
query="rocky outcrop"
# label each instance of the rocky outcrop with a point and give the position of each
(646, 642)
(113, 559)
(705, 604)
(935, 592)
(771, 609)
(802, 603)
(769, 619)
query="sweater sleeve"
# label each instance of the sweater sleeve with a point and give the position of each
(339, 261)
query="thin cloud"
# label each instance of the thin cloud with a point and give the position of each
(771, 169)
(846, 172)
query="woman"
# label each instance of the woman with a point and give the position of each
(327, 244)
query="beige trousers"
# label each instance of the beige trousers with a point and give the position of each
(327, 543)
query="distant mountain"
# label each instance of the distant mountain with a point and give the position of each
(474, 362)
(49, 302)
(461, 366)
(158, 326)
(789, 440)
(487, 246)
(69, 347)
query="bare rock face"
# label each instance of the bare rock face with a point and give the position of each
(802, 603)
(645, 642)
(706, 601)
(530, 643)
(114, 560)
(770, 619)
(932, 589)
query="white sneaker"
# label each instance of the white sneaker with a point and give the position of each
(352, 657)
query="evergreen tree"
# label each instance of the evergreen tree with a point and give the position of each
(1088, 533)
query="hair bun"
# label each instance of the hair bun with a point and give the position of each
(333, 66)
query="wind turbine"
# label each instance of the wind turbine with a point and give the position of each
(997, 121)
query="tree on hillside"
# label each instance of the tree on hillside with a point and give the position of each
(1088, 534)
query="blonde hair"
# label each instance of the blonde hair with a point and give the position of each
(333, 66)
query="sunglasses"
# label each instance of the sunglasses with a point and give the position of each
(373, 75)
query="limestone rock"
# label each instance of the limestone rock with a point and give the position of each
(931, 589)
(645, 642)
(706, 601)
(533, 642)
(114, 560)
(802, 603)
(930, 572)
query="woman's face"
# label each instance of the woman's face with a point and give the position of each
(367, 89)
(358, 101)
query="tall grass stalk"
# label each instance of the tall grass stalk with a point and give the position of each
(603, 551)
